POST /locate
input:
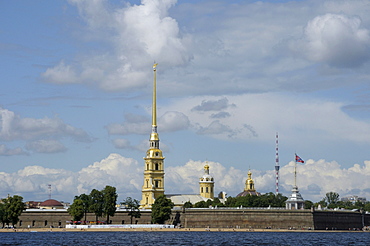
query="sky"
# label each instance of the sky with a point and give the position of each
(76, 90)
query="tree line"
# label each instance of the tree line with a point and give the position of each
(103, 203)
(265, 200)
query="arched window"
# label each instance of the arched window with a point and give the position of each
(156, 166)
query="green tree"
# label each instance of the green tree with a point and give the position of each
(76, 210)
(2, 213)
(161, 209)
(86, 201)
(332, 198)
(308, 204)
(188, 204)
(132, 206)
(230, 202)
(96, 206)
(12, 208)
(367, 206)
(109, 201)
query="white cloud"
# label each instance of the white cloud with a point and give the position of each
(338, 40)
(173, 121)
(13, 127)
(133, 44)
(261, 115)
(32, 181)
(314, 179)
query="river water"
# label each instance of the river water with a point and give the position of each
(185, 238)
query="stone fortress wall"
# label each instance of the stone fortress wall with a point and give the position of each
(217, 218)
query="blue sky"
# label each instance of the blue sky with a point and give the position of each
(76, 80)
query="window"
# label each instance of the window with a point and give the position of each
(206, 189)
(33, 223)
(123, 222)
(46, 222)
(156, 183)
(201, 189)
(156, 166)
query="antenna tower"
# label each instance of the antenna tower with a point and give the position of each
(277, 166)
(49, 187)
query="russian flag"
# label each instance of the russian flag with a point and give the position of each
(298, 159)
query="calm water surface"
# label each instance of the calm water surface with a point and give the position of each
(184, 238)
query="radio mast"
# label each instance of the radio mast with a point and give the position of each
(277, 166)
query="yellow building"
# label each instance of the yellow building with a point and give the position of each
(206, 184)
(153, 185)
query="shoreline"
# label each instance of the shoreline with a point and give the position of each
(164, 229)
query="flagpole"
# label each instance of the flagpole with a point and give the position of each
(295, 170)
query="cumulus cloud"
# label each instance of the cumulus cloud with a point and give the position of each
(13, 127)
(132, 44)
(314, 179)
(32, 181)
(337, 40)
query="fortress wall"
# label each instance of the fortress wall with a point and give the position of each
(48, 218)
(217, 218)
(247, 218)
(340, 220)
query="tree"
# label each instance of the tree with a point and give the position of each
(97, 200)
(367, 206)
(132, 205)
(161, 209)
(76, 210)
(109, 201)
(188, 204)
(308, 204)
(332, 199)
(86, 203)
(12, 208)
(2, 213)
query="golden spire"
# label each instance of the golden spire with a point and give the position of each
(154, 135)
(154, 106)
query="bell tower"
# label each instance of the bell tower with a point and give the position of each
(206, 184)
(153, 185)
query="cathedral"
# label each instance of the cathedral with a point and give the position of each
(153, 186)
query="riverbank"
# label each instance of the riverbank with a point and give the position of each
(163, 229)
